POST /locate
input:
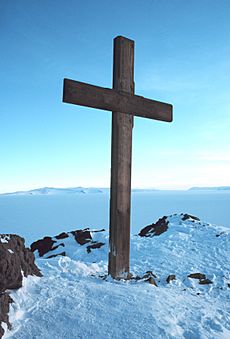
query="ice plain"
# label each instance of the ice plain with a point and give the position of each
(73, 301)
(34, 216)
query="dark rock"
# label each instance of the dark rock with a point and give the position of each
(136, 278)
(189, 216)
(149, 274)
(197, 276)
(151, 281)
(170, 278)
(158, 228)
(205, 282)
(62, 235)
(94, 245)
(98, 231)
(43, 246)
(129, 276)
(228, 285)
(103, 277)
(149, 277)
(145, 232)
(15, 259)
(218, 235)
(5, 301)
(82, 237)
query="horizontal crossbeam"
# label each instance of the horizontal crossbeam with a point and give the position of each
(83, 94)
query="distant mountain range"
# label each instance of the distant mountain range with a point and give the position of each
(219, 188)
(70, 191)
(98, 190)
(57, 191)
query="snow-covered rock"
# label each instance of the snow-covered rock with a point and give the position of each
(72, 244)
(16, 261)
(5, 301)
(161, 225)
(157, 228)
(180, 287)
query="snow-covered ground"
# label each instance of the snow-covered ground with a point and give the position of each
(75, 298)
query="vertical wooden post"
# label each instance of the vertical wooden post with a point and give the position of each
(120, 192)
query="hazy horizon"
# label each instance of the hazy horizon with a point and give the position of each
(107, 188)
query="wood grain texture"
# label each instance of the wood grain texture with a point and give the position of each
(121, 158)
(80, 93)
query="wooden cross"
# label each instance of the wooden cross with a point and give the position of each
(124, 105)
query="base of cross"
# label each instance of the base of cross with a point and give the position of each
(148, 277)
(123, 276)
(114, 268)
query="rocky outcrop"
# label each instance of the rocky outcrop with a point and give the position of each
(197, 276)
(150, 277)
(162, 224)
(5, 301)
(158, 228)
(205, 281)
(94, 245)
(189, 217)
(170, 278)
(44, 246)
(16, 261)
(50, 247)
(82, 237)
(202, 278)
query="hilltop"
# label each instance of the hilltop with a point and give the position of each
(180, 285)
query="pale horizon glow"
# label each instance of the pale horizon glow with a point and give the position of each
(183, 61)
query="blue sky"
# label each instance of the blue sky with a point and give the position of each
(182, 56)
